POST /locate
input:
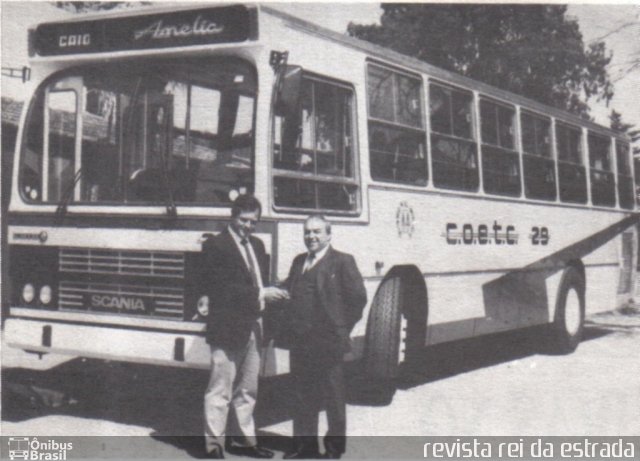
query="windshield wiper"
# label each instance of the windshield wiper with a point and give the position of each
(170, 203)
(61, 210)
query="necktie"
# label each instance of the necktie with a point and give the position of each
(252, 266)
(310, 260)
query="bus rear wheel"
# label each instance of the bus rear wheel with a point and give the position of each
(568, 323)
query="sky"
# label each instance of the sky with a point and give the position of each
(595, 20)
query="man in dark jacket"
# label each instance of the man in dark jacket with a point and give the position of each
(327, 295)
(235, 268)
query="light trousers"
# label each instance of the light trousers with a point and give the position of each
(233, 386)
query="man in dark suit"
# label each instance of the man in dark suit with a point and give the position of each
(235, 268)
(327, 295)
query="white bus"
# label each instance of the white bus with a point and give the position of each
(469, 210)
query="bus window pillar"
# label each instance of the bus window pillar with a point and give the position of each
(80, 105)
(584, 151)
(362, 145)
(518, 145)
(45, 147)
(267, 132)
(554, 153)
(477, 134)
(613, 161)
(428, 134)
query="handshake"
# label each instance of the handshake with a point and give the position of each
(274, 294)
(267, 294)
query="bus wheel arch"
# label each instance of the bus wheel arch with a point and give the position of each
(396, 326)
(568, 320)
(578, 265)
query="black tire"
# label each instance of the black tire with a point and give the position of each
(381, 353)
(568, 324)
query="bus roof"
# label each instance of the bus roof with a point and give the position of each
(375, 51)
(393, 57)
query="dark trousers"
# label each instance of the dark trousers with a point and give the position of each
(318, 379)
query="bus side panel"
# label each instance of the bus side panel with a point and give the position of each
(628, 278)
(602, 271)
(476, 288)
(478, 304)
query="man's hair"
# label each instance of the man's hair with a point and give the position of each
(245, 203)
(320, 217)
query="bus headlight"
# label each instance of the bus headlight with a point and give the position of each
(203, 306)
(45, 295)
(28, 293)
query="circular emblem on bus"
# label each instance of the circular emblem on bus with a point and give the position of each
(43, 237)
(405, 220)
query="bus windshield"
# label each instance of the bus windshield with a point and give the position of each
(135, 133)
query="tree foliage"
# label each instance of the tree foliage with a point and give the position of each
(532, 50)
(619, 126)
(627, 31)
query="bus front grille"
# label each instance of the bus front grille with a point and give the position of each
(122, 262)
(127, 299)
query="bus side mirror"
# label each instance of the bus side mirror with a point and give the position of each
(288, 97)
(287, 105)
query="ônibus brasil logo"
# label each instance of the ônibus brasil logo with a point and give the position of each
(34, 449)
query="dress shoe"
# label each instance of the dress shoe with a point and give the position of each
(251, 452)
(302, 454)
(215, 453)
(332, 455)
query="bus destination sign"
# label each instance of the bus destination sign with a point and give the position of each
(230, 24)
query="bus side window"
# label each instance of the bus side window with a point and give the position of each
(571, 171)
(397, 138)
(500, 161)
(317, 170)
(538, 164)
(454, 152)
(603, 184)
(625, 176)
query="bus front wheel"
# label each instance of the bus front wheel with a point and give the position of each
(568, 323)
(383, 337)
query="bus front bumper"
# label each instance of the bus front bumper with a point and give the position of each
(124, 344)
